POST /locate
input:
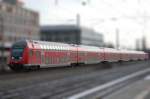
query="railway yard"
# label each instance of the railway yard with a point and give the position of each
(64, 49)
(67, 82)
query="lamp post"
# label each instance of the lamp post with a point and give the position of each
(2, 41)
(117, 39)
(117, 33)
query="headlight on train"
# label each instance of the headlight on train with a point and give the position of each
(12, 58)
(20, 57)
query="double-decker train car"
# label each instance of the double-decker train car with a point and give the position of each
(28, 54)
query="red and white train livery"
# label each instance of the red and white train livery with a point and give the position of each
(40, 54)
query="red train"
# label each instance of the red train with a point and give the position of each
(40, 54)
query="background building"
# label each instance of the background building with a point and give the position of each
(71, 34)
(17, 22)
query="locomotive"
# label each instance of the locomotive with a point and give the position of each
(28, 54)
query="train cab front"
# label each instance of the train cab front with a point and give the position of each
(17, 57)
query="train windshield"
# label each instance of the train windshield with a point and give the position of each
(17, 49)
(17, 52)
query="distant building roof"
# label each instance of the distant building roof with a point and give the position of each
(72, 34)
(60, 27)
(13, 2)
(69, 28)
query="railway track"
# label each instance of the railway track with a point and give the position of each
(61, 83)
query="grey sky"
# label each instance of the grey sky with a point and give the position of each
(103, 15)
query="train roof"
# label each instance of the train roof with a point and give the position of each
(35, 44)
(89, 48)
(49, 45)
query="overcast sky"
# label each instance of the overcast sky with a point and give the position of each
(103, 15)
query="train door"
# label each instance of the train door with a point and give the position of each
(102, 55)
(38, 57)
(74, 56)
(42, 57)
(30, 56)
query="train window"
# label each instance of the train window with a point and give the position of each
(46, 47)
(41, 47)
(56, 47)
(52, 47)
(64, 48)
(43, 59)
(62, 60)
(31, 53)
(38, 54)
(47, 60)
(61, 48)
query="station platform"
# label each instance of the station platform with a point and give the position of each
(137, 90)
